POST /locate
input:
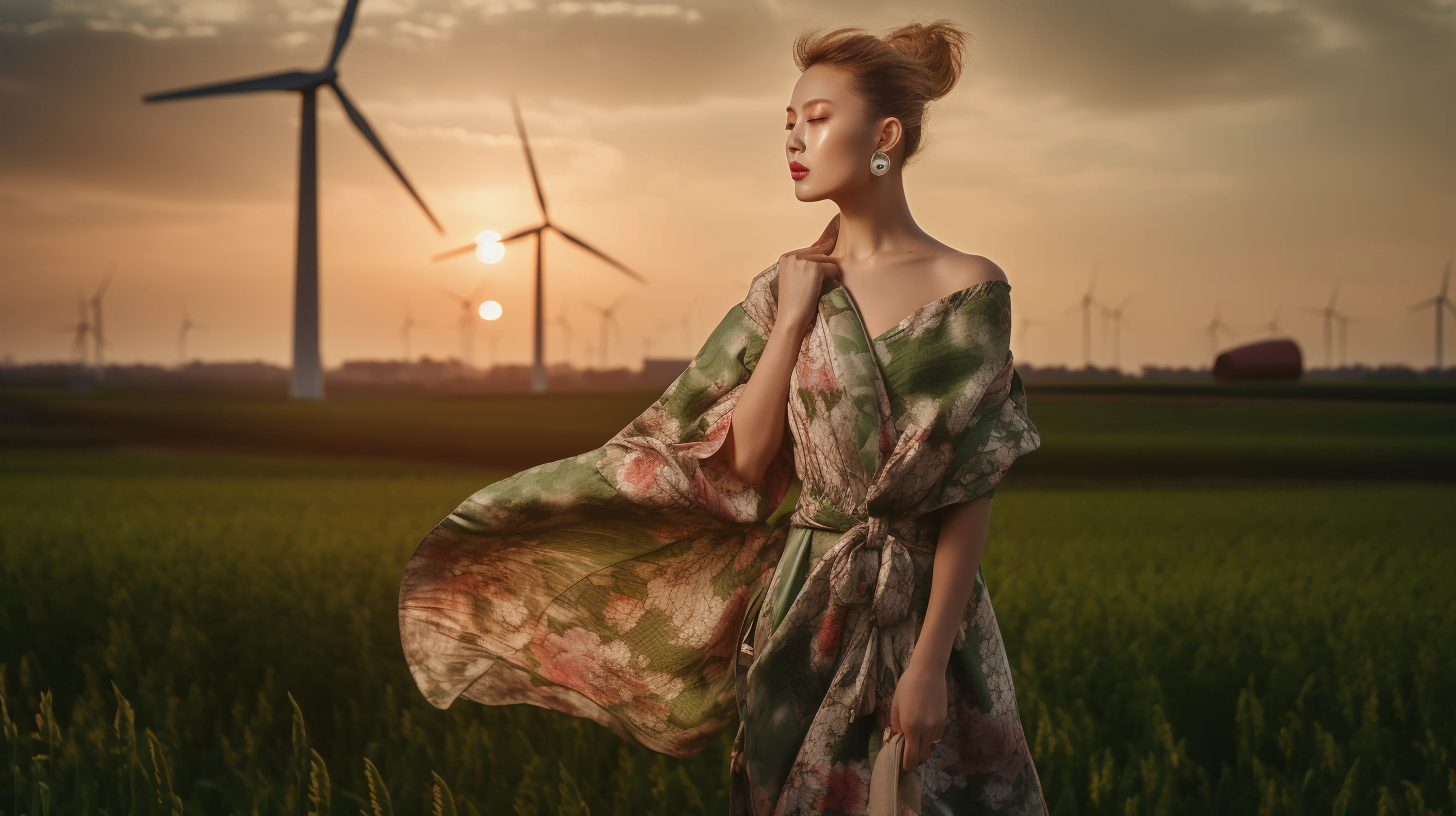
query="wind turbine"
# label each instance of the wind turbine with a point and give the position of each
(98, 339)
(1328, 313)
(307, 381)
(404, 333)
(1439, 301)
(1345, 321)
(1273, 325)
(468, 305)
(566, 327)
(1115, 316)
(538, 370)
(80, 330)
(187, 325)
(1214, 326)
(1022, 325)
(609, 316)
(1085, 304)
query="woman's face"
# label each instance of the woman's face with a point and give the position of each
(830, 133)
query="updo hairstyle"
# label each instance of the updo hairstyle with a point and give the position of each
(896, 74)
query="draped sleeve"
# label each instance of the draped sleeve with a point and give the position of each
(983, 423)
(611, 585)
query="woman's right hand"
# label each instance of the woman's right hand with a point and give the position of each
(801, 278)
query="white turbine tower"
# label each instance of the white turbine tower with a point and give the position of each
(1329, 314)
(188, 324)
(1213, 328)
(98, 337)
(1441, 302)
(608, 315)
(1085, 304)
(307, 382)
(538, 354)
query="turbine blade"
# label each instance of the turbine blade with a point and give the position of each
(341, 34)
(286, 81)
(604, 256)
(105, 282)
(523, 233)
(450, 253)
(530, 163)
(359, 122)
(478, 290)
(451, 295)
(1427, 302)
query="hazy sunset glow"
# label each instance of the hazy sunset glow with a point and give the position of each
(1235, 160)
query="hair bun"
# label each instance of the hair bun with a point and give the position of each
(939, 46)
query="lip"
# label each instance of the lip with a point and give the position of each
(797, 170)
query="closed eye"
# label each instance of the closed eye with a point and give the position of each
(790, 126)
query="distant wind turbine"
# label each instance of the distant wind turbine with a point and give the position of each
(188, 324)
(307, 379)
(98, 338)
(1022, 324)
(404, 333)
(1115, 316)
(1273, 325)
(566, 327)
(80, 331)
(1213, 328)
(1345, 321)
(468, 315)
(1328, 313)
(1085, 304)
(609, 316)
(1441, 302)
(538, 370)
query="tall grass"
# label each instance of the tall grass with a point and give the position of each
(218, 635)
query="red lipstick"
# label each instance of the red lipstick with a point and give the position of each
(797, 170)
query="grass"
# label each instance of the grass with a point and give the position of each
(1176, 650)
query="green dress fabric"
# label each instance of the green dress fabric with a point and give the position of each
(642, 585)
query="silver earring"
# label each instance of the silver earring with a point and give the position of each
(879, 163)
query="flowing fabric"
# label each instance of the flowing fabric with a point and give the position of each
(619, 584)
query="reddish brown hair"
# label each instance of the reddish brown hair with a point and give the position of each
(896, 74)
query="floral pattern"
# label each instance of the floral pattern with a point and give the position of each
(642, 585)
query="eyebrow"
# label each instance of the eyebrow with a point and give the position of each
(790, 108)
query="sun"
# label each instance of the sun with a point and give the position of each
(490, 310)
(488, 247)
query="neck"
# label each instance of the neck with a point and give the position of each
(876, 221)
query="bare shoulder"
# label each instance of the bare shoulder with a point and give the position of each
(969, 270)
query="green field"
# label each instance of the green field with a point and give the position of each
(1123, 432)
(1177, 650)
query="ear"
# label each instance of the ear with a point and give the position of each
(889, 134)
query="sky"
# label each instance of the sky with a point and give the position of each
(1240, 159)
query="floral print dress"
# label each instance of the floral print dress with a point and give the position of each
(644, 586)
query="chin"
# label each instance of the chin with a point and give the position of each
(808, 193)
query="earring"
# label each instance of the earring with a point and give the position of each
(879, 163)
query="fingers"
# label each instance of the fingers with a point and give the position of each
(919, 740)
(910, 757)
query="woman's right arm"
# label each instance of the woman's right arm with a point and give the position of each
(760, 418)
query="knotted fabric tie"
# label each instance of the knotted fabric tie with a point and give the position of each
(872, 577)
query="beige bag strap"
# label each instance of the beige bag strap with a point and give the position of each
(893, 793)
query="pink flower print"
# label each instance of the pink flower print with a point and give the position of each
(622, 611)
(578, 660)
(846, 788)
(640, 474)
(827, 639)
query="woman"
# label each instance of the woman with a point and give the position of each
(651, 586)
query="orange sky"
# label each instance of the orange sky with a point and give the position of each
(1244, 155)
